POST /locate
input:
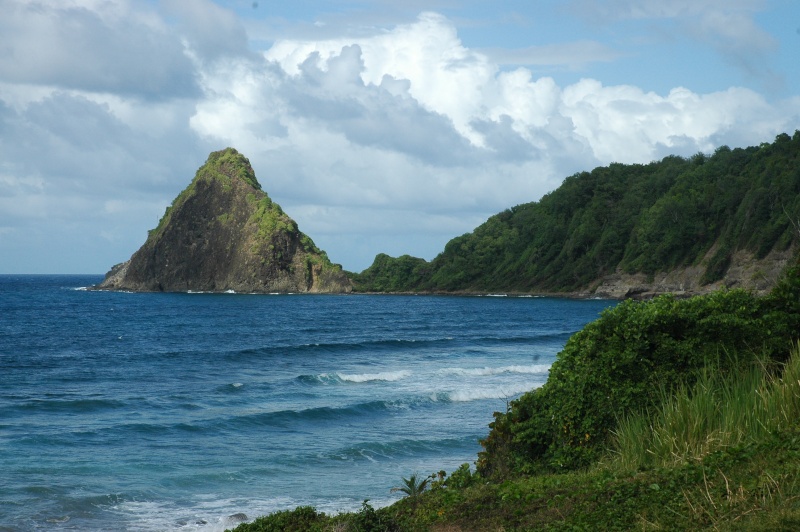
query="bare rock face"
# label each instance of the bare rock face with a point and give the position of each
(224, 233)
(745, 271)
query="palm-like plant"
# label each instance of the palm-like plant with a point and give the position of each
(413, 486)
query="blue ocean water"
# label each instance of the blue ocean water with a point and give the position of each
(123, 411)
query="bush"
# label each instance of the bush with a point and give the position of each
(621, 362)
(369, 520)
(301, 519)
(720, 411)
(461, 478)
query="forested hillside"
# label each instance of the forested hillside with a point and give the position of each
(634, 219)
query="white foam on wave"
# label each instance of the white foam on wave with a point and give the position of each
(210, 514)
(389, 376)
(217, 514)
(496, 392)
(533, 369)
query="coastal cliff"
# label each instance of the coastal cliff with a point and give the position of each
(224, 233)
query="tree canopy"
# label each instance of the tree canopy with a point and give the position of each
(637, 218)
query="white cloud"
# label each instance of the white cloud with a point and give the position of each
(93, 46)
(411, 121)
(410, 90)
(428, 53)
(625, 124)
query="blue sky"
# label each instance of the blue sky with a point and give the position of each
(380, 126)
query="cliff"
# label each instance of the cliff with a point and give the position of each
(746, 271)
(224, 233)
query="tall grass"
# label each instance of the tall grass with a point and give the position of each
(718, 410)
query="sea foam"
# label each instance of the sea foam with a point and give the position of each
(502, 392)
(389, 376)
(534, 369)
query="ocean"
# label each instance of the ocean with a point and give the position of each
(122, 411)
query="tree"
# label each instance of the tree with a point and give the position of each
(413, 487)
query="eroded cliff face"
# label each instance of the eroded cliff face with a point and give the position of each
(745, 271)
(224, 233)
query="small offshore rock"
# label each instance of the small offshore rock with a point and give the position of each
(239, 517)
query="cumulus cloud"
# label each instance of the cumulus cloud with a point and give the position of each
(75, 179)
(418, 92)
(410, 121)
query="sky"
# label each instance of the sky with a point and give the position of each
(380, 126)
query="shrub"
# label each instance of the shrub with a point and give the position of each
(461, 478)
(622, 362)
(367, 519)
(719, 411)
(301, 519)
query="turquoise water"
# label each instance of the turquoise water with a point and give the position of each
(175, 411)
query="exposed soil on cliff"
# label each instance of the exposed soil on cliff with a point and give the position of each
(745, 271)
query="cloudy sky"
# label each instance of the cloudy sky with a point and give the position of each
(380, 126)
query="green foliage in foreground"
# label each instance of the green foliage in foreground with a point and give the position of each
(413, 486)
(301, 519)
(670, 414)
(721, 410)
(638, 218)
(749, 487)
(753, 486)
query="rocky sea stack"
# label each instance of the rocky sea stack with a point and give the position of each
(224, 233)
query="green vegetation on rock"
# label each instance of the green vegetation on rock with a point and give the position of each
(227, 165)
(223, 232)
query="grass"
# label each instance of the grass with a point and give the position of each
(719, 411)
(723, 454)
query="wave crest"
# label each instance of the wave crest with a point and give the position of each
(389, 376)
(479, 394)
(534, 369)
(340, 378)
